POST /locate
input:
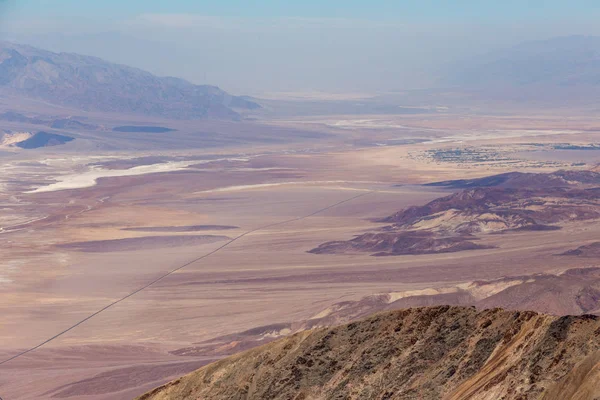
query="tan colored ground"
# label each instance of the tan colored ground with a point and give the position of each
(262, 278)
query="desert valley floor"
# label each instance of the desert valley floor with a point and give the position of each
(83, 229)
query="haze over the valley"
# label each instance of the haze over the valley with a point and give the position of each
(309, 200)
(309, 47)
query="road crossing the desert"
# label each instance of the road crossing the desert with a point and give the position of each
(171, 272)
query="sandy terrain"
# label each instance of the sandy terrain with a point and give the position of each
(69, 253)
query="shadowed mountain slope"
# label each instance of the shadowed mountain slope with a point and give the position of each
(496, 204)
(591, 250)
(425, 353)
(516, 180)
(92, 84)
(44, 139)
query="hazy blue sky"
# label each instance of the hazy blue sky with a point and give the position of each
(389, 9)
(261, 46)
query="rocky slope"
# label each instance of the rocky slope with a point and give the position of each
(89, 83)
(421, 353)
(590, 250)
(496, 204)
(400, 243)
(575, 291)
(516, 180)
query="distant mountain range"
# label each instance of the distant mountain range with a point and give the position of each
(91, 84)
(562, 62)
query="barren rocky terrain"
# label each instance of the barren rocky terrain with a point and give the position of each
(215, 221)
(590, 250)
(427, 353)
(405, 244)
(492, 205)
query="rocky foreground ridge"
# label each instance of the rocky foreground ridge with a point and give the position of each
(420, 353)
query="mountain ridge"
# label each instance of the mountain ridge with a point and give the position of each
(439, 352)
(92, 84)
(559, 62)
(497, 204)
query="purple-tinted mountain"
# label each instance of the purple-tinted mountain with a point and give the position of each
(561, 62)
(492, 205)
(562, 178)
(92, 84)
